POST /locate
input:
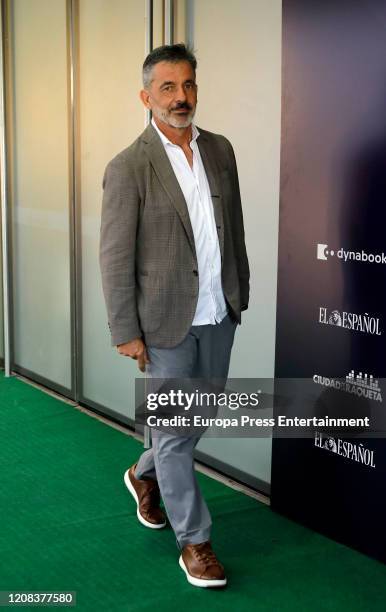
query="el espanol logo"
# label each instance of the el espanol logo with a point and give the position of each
(324, 253)
(344, 448)
(360, 385)
(349, 320)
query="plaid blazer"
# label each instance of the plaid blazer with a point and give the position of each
(147, 254)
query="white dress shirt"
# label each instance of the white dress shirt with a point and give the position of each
(211, 307)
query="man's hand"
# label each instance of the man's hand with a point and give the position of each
(135, 349)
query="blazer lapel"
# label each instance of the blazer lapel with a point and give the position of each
(165, 173)
(214, 185)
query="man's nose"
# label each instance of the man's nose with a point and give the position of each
(181, 94)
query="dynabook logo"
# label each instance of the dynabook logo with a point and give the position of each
(344, 448)
(349, 320)
(361, 385)
(322, 252)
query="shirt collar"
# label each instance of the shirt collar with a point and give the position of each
(165, 140)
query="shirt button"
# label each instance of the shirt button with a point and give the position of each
(195, 272)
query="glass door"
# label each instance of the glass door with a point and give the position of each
(38, 164)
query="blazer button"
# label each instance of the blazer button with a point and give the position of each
(195, 272)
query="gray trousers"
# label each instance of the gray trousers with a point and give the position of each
(204, 353)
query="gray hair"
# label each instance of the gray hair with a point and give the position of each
(167, 53)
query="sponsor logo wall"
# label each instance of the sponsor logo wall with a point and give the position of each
(331, 271)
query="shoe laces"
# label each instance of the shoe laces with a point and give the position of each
(205, 554)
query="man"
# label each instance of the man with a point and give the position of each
(175, 278)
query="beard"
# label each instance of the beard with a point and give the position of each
(176, 121)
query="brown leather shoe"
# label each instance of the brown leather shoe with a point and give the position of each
(201, 566)
(146, 494)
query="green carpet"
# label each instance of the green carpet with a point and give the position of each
(68, 523)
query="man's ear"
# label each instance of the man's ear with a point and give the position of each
(144, 95)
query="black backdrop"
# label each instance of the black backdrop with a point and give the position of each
(333, 194)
